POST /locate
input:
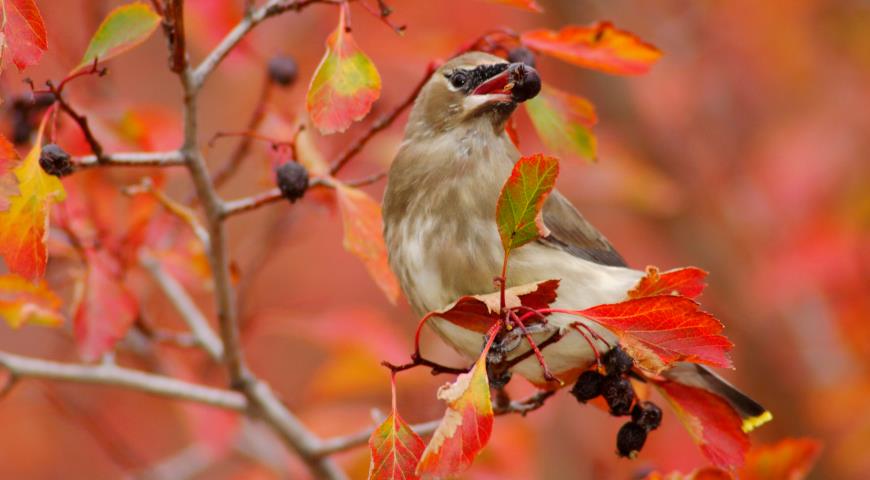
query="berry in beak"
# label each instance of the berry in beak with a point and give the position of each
(519, 81)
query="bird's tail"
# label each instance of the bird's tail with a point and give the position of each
(694, 375)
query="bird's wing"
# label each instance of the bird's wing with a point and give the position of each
(570, 232)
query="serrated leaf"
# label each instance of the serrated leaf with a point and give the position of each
(22, 301)
(23, 33)
(563, 122)
(24, 224)
(363, 236)
(711, 422)
(479, 312)
(518, 211)
(530, 5)
(124, 28)
(658, 331)
(688, 282)
(104, 309)
(466, 426)
(600, 47)
(395, 450)
(345, 85)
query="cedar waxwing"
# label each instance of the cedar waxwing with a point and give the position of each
(442, 239)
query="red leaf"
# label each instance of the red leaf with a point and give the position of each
(688, 282)
(345, 85)
(395, 448)
(105, 309)
(466, 426)
(601, 47)
(711, 422)
(25, 34)
(363, 236)
(660, 330)
(479, 312)
(24, 302)
(529, 5)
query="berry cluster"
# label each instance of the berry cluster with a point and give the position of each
(617, 391)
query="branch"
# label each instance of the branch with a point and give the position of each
(136, 159)
(185, 307)
(110, 374)
(339, 444)
(81, 120)
(251, 20)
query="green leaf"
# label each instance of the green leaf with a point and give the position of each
(563, 122)
(124, 28)
(518, 211)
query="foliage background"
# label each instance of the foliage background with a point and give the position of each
(743, 152)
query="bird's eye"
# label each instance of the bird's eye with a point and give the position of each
(458, 79)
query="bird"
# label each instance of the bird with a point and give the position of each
(442, 240)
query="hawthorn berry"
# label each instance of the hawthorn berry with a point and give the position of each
(522, 55)
(630, 439)
(647, 414)
(617, 361)
(283, 70)
(55, 161)
(618, 393)
(292, 180)
(588, 386)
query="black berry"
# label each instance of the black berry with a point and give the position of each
(647, 414)
(630, 439)
(522, 55)
(55, 161)
(283, 70)
(618, 393)
(616, 361)
(43, 100)
(21, 127)
(292, 179)
(588, 386)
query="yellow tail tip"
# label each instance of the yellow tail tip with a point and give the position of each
(751, 423)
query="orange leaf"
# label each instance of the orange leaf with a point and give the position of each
(466, 426)
(518, 210)
(601, 47)
(395, 448)
(24, 224)
(790, 458)
(529, 5)
(24, 302)
(105, 309)
(24, 32)
(8, 182)
(563, 121)
(345, 85)
(657, 331)
(688, 282)
(363, 236)
(711, 422)
(479, 312)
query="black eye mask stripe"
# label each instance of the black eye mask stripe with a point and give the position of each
(477, 75)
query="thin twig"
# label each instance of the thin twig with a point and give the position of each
(380, 124)
(251, 20)
(173, 24)
(135, 159)
(185, 306)
(109, 374)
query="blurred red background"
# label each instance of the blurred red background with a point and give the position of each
(744, 151)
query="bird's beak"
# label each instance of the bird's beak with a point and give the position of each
(517, 83)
